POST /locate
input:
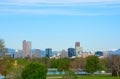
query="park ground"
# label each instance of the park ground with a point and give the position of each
(84, 77)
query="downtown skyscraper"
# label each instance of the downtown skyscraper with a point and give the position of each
(27, 46)
(71, 52)
(48, 52)
(77, 44)
(78, 49)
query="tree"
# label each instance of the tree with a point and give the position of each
(92, 64)
(115, 65)
(2, 43)
(104, 64)
(1, 46)
(18, 65)
(34, 71)
(54, 63)
(45, 61)
(6, 65)
(78, 64)
(63, 64)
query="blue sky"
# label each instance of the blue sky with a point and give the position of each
(59, 23)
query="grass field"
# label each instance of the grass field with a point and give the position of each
(84, 77)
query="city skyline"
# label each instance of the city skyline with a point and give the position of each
(59, 24)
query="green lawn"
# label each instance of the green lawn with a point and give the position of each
(84, 77)
(98, 77)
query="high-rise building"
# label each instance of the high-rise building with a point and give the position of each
(77, 44)
(27, 49)
(99, 53)
(36, 53)
(19, 53)
(71, 52)
(24, 48)
(78, 49)
(29, 46)
(64, 54)
(48, 52)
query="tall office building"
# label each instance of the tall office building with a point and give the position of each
(19, 53)
(78, 49)
(24, 48)
(48, 52)
(36, 53)
(77, 44)
(29, 46)
(27, 49)
(71, 52)
(64, 54)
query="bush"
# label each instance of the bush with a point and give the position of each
(34, 71)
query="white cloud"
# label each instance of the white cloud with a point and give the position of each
(53, 12)
(63, 1)
(5, 7)
(59, 1)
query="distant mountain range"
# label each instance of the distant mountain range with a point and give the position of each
(117, 52)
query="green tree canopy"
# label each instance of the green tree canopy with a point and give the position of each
(92, 64)
(103, 64)
(54, 63)
(6, 65)
(64, 64)
(34, 71)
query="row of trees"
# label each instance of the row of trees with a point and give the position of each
(90, 64)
